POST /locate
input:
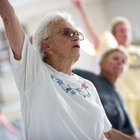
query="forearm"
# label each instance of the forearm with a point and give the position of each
(13, 28)
(93, 34)
(117, 135)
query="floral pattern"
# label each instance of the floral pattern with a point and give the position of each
(82, 90)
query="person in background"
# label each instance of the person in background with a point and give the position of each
(120, 27)
(121, 34)
(56, 104)
(112, 65)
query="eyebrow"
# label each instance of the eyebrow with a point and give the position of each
(69, 29)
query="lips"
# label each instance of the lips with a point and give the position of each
(76, 46)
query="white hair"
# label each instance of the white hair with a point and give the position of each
(45, 26)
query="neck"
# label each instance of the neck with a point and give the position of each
(126, 45)
(61, 65)
(111, 78)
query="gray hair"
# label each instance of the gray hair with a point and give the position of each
(116, 21)
(44, 28)
(120, 49)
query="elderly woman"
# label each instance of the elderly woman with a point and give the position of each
(56, 104)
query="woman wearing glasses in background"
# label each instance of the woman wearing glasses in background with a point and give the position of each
(56, 104)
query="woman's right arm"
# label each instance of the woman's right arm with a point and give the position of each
(117, 135)
(13, 28)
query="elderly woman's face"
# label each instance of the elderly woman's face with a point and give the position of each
(65, 41)
(114, 64)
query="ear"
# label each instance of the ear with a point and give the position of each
(46, 47)
(101, 65)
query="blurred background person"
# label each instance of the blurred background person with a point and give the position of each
(121, 34)
(112, 64)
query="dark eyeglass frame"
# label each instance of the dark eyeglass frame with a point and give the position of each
(69, 33)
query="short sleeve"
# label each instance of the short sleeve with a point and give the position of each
(27, 69)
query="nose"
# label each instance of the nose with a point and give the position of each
(119, 62)
(77, 36)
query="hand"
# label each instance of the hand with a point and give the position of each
(7, 125)
(12, 130)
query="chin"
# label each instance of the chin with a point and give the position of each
(76, 58)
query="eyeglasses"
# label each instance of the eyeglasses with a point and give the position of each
(69, 33)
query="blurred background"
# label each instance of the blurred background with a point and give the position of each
(30, 12)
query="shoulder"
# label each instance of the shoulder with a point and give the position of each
(92, 77)
(83, 72)
(83, 76)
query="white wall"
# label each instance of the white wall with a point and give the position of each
(33, 12)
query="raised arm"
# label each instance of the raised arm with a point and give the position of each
(93, 34)
(13, 28)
